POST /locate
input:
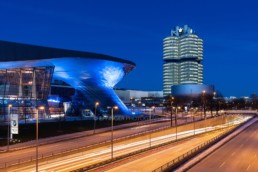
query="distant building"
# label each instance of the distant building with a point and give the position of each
(136, 97)
(183, 56)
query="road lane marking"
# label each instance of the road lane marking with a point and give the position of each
(139, 127)
(248, 167)
(222, 164)
(233, 154)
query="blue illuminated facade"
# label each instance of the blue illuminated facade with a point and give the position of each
(92, 75)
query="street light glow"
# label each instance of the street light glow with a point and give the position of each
(41, 108)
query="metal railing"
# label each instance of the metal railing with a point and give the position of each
(179, 160)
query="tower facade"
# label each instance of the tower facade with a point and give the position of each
(182, 56)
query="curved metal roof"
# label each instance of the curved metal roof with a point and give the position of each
(11, 51)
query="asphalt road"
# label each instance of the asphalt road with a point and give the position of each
(156, 159)
(238, 155)
(13, 157)
(137, 143)
(88, 157)
(91, 156)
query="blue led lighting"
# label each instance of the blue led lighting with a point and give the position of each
(93, 78)
(53, 100)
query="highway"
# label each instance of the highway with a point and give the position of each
(92, 156)
(239, 154)
(12, 157)
(150, 162)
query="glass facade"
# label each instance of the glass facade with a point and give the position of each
(24, 89)
(183, 56)
(26, 73)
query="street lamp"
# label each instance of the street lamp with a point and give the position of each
(213, 102)
(176, 119)
(172, 99)
(37, 129)
(203, 97)
(96, 105)
(193, 123)
(193, 115)
(150, 123)
(204, 110)
(112, 124)
(8, 130)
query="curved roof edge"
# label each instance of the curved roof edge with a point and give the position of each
(12, 51)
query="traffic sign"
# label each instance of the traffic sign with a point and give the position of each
(14, 124)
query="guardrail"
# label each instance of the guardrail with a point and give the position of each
(193, 152)
(175, 162)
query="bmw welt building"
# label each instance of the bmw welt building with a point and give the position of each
(28, 71)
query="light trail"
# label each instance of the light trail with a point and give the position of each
(89, 157)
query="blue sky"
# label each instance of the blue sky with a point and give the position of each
(134, 30)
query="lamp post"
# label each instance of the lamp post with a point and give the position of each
(194, 123)
(204, 109)
(215, 101)
(8, 129)
(37, 129)
(203, 97)
(112, 136)
(176, 119)
(96, 105)
(150, 124)
(172, 99)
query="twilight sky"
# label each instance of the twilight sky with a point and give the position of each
(134, 30)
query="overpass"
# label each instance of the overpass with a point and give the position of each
(244, 112)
